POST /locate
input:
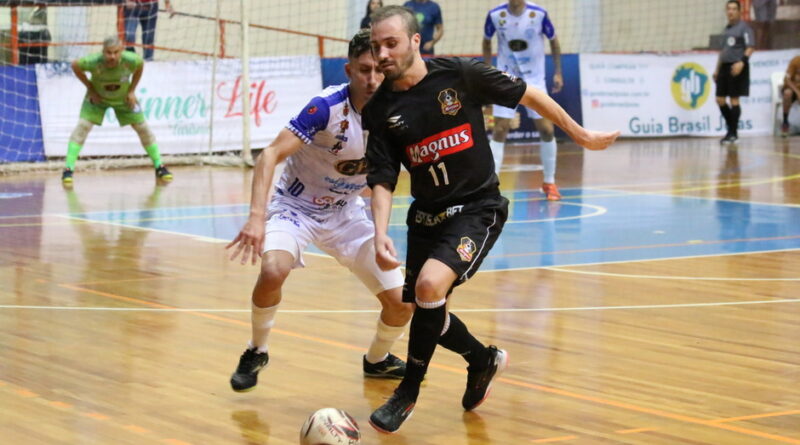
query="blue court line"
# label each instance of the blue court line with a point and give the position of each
(539, 233)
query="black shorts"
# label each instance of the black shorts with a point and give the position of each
(460, 236)
(729, 85)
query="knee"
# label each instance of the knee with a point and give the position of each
(721, 101)
(427, 290)
(81, 131)
(145, 135)
(546, 134)
(500, 130)
(787, 96)
(272, 275)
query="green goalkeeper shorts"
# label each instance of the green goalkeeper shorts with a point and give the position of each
(95, 113)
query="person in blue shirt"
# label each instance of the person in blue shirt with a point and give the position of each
(431, 28)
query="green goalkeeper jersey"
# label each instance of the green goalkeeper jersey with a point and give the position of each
(112, 84)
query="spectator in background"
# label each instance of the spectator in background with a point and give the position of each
(765, 13)
(791, 92)
(732, 74)
(146, 13)
(372, 5)
(429, 16)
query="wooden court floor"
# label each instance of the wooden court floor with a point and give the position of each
(671, 315)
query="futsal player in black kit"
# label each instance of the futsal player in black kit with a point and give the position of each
(427, 116)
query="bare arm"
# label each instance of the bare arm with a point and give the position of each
(549, 109)
(787, 81)
(438, 32)
(555, 51)
(81, 75)
(250, 240)
(381, 205)
(487, 51)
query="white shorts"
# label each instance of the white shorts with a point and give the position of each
(508, 113)
(346, 235)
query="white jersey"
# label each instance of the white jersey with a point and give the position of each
(520, 40)
(327, 173)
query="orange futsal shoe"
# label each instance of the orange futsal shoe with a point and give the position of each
(551, 191)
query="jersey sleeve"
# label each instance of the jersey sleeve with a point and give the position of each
(313, 118)
(548, 29)
(437, 16)
(490, 85)
(88, 63)
(749, 37)
(383, 165)
(488, 27)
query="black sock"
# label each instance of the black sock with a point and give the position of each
(458, 339)
(426, 326)
(785, 118)
(726, 114)
(736, 111)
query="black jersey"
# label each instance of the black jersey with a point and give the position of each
(435, 129)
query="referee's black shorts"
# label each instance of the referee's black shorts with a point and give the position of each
(460, 236)
(729, 85)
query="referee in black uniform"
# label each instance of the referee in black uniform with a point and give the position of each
(733, 70)
(427, 116)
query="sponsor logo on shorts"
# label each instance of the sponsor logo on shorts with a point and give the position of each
(448, 98)
(441, 144)
(466, 249)
(430, 220)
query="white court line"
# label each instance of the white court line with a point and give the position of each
(368, 311)
(636, 260)
(663, 277)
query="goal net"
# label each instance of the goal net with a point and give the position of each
(194, 90)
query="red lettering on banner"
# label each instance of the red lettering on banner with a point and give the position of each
(441, 144)
(262, 99)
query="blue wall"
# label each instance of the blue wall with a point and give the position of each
(20, 123)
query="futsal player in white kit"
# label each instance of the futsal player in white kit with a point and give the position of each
(521, 28)
(316, 200)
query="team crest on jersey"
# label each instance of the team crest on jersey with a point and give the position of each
(532, 14)
(502, 14)
(312, 109)
(466, 249)
(449, 100)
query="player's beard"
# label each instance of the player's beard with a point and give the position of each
(401, 66)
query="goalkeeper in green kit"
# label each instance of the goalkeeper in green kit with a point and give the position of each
(114, 76)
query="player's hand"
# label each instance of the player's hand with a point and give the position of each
(94, 97)
(249, 243)
(598, 140)
(385, 255)
(428, 45)
(171, 11)
(558, 82)
(131, 101)
(737, 68)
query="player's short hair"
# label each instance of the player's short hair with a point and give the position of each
(359, 44)
(409, 20)
(110, 41)
(736, 2)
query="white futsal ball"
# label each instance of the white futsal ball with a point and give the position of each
(330, 426)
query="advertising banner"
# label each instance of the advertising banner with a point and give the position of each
(646, 95)
(176, 100)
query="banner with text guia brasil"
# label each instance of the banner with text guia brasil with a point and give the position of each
(176, 100)
(646, 95)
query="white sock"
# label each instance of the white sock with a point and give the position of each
(547, 151)
(497, 153)
(262, 320)
(384, 338)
